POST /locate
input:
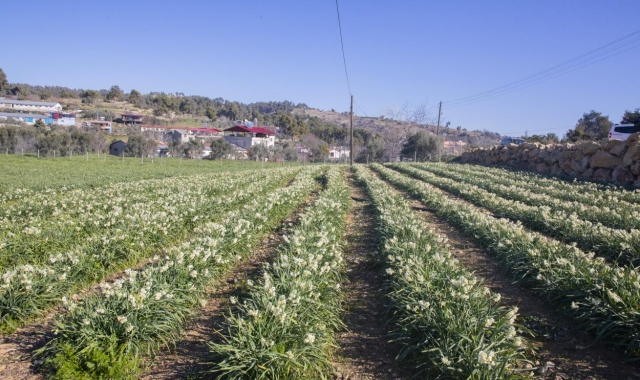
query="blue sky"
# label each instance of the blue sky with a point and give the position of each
(396, 52)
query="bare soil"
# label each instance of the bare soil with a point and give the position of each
(561, 350)
(364, 352)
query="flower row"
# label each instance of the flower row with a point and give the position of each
(578, 191)
(284, 330)
(614, 244)
(602, 298)
(147, 309)
(619, 215)
(446, 320)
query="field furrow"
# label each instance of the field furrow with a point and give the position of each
(363, 348)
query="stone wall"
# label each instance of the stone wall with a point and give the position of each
(608, 160)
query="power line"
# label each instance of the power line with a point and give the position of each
(344, 60)
(358, 105)
(555, 70)
(566, 67)
(549, 76)
(551, 68)
(534, 82)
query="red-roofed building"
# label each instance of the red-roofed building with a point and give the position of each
(246, 137)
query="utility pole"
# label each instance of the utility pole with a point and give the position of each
(439, 113)
(438, 128)
(351, 133)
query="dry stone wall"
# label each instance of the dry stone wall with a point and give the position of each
(608, 160)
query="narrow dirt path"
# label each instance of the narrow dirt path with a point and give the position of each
(187, 360)
(562, 351)
(363, 349)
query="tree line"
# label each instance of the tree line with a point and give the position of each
(61, 141)
(314, 133)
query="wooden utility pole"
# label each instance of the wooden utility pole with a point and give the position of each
(351, 133)
(438, 128)
(439, 113)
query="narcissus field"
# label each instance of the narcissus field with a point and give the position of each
(230, 270)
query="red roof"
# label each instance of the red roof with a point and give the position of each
(212, 130)
(162, 126)
(244, 128)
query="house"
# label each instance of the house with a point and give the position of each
(116, 148)
(26, 118)
(131, 118)
(303, 153)
(102, 124)
(162, 149)
(183, 134)
(246, 137)
(206, 133)
(153, 128)
(454, 148)
(64, 119)
(336, 153)
(206, 152)
(238, 153)
(29, 105)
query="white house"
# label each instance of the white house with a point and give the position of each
(246, 137)
(64, 119)
(338, 152)
(29, 105)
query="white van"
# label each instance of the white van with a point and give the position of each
(622, 131)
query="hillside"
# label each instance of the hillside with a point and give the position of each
(393, 128)
(191, 110)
